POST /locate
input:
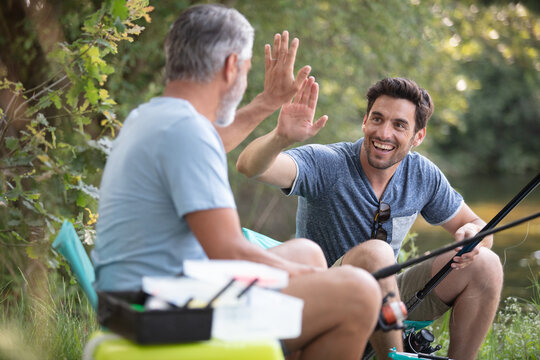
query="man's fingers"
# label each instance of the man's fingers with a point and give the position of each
(291, 56)
(302, 75)
(283, 49)
(298, 96)
(267, 57)
(305, 93)
(275, 49)
(314, 95)
(319, 124)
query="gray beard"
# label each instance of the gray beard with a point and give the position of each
(225, 114)
(227, 109)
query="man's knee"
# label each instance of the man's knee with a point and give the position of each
(487, 265)
(308, 252)
(358, 285)
(370, 255)
(358, 291)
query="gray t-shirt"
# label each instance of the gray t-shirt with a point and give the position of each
(167, 161)
(337, 205)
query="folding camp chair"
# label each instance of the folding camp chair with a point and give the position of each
(107, 346)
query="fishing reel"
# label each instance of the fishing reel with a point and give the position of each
(392, 314)
(419, 342)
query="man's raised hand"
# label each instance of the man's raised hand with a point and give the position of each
(295, 122)
(280, 84)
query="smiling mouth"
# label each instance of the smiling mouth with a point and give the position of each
(383, 146)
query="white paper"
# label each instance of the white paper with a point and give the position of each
(268, 314)
(243, 271)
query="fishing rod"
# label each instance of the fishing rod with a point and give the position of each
(468, 245)
(446, 269)
(394, 269)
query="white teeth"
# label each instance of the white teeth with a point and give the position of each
(382, 146)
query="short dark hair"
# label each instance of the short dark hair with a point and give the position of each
(202, 38)
(402, 88)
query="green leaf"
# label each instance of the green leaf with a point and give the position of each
(91, 92)
(30, 251)
(119, 9)
(12, 143)
(94, 55)
(13, 194)
(33, 196)
(119, 25)
(82, 200)
(44, 102)
(56, 100)
(107, 69)
(90, 24)
(107, 44)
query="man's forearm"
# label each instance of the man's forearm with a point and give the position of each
(260, 154)
(246, 120)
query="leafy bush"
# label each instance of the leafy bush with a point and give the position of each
(54, 141)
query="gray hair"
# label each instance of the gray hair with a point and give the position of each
(202, 38)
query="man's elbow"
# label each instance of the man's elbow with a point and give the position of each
(242, 168)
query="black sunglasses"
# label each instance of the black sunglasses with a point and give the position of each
(381, 216)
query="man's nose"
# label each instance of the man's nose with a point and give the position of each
(385, 130)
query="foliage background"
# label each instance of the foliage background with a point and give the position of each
(70, 71)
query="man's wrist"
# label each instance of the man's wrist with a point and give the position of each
(281, 141)
(266, 103)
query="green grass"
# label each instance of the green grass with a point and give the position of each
(514, 334)
(51, 321)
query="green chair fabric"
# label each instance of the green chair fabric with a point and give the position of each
(68, 244)
(259, 239)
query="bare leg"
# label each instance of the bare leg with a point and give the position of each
(302, 251)
(475, 292)
(373, 255)
(341, 306)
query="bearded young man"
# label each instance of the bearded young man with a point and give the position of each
(353, 195)
(165, 194)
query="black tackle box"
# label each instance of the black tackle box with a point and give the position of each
(124, 314)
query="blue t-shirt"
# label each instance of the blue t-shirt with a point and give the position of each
(167, 161)
(337, 205)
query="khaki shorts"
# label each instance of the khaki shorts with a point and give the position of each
(409, 283)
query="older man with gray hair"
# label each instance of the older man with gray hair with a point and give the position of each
(165, 194)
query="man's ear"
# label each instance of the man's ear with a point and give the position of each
(230, 69)
(419, 137)
(364, 122)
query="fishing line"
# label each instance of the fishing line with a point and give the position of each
(518, 245)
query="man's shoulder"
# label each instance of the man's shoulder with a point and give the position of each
(174, 117)
(419, 170)
(164, 109)
(416, 161)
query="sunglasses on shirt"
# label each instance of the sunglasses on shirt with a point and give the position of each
(381, 216)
